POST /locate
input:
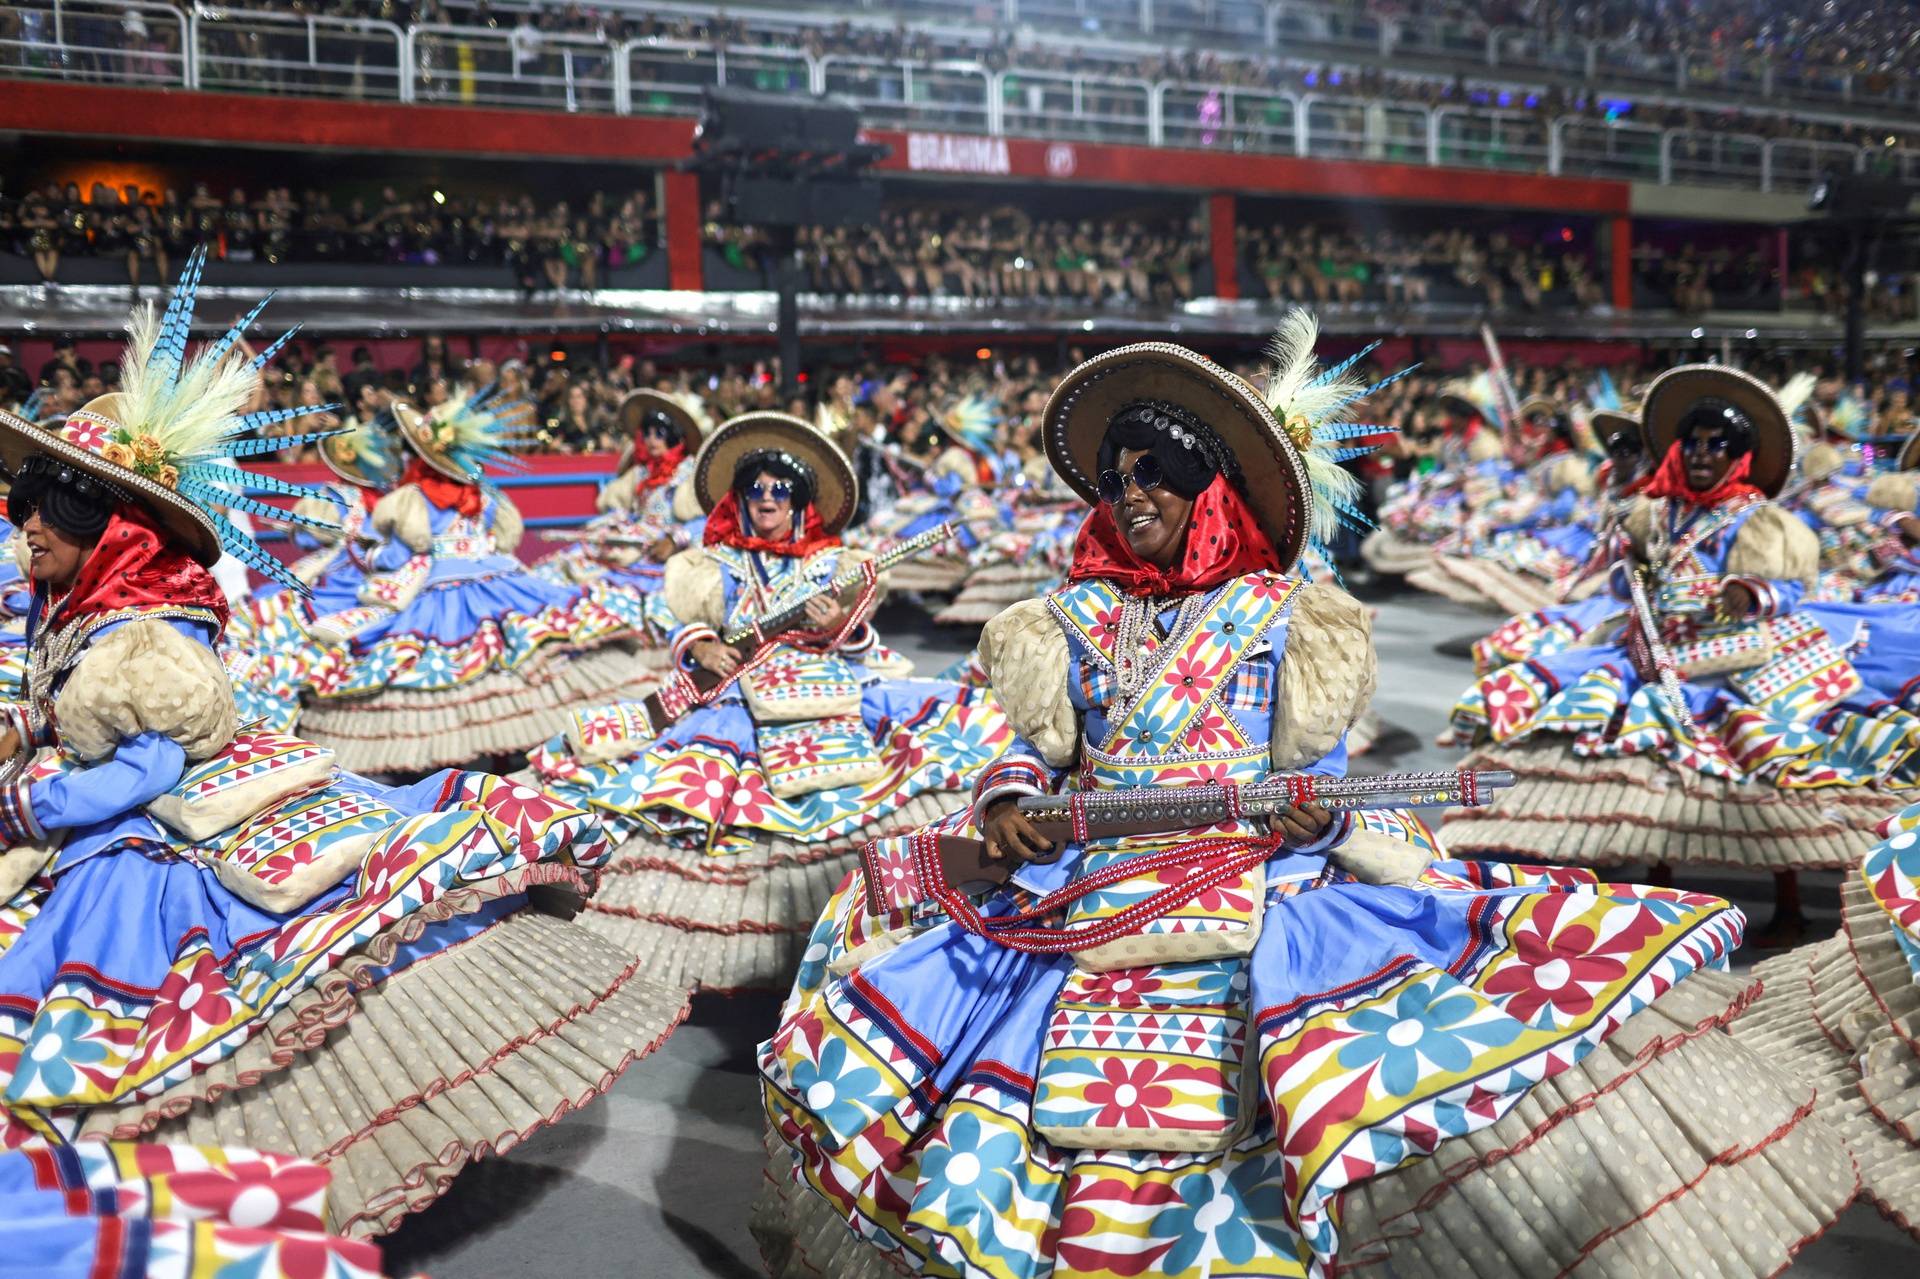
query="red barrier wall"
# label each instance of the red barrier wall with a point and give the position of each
(112, 112)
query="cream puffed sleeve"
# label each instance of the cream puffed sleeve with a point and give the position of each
(695, 590)
(508, 526)
(1025, 654)
(403, 515)
(617, 493)
(1777, 545)
(146, 677)
(1327, 675)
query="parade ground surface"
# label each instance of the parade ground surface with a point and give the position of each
(656, 1178)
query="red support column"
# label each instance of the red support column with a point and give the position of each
(1222, 220)
(1621, 228)
(680, 194)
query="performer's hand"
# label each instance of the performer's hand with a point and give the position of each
(1011, 835)
(715, 656)
(1736, 602)
(826, 614)
(1301, 824)
(1909, 526)
(662, 550)
(9, 744)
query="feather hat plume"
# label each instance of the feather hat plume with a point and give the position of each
(363, 453)
(463, 437)
(1315, 407)
(970, 421)
(169, 437)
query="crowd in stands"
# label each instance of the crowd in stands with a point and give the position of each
(1000, 254)
(1344, 263)
(1802, 35)
(574, 401)
(548, 246)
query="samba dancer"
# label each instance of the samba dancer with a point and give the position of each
(207, 929)
(459, 652)
(1180, 1068)
(741, 815)
(1723, 725)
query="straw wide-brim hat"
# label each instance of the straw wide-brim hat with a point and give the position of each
(1909, 458)
(342, 457)
(79, 442)
(1459, 405)
(1539, 404)
(1607, 422)
(1088, 397)
(835, 489)
(1679, 389)
(417, 430)
(638, 403)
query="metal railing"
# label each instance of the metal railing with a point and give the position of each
(1081, 107)
(239, 50)
(249, 52)
(1314, 28)
(110, 42)
(1471, 138)
(938, 95)
(517, 67)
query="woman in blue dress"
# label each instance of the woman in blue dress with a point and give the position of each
(1725, 724)
(1583, 544)
(647, 511)
(743, 813)
(273, 642)
(205, 927)
(1894, 497)
(1283, 1046)
(458, 651)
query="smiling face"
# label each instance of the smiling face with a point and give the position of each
(769, 502)
(55, 558)
(1154, 522)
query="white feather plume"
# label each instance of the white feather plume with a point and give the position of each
(190, 413)
(1311, 406)
(1795, 394)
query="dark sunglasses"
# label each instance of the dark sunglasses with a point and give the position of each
(1623, 445)
(659, 428)
(1718, 445)
(1145, 475)
(778, 491)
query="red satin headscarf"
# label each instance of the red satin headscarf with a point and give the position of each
(655, 471)
(133, 566)
(1670, 480)
(447, 494)
(726, 526)
(1224, 541)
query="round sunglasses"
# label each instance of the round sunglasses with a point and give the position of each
(1145, 475)
(778, 491)
(1718, 445)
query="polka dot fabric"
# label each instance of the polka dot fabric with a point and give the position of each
(132, 566)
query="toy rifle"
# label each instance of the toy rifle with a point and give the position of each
(593, 537)
(1077, 816)
(750, 639)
